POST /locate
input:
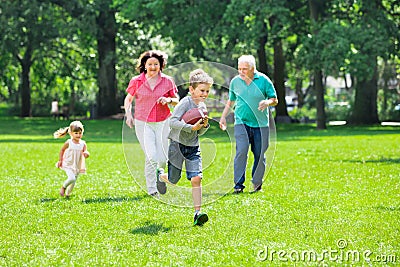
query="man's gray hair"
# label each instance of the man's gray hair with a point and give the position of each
(248, 59)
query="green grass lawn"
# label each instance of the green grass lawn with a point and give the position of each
(331, 197)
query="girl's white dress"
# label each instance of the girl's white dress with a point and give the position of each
(73, 157)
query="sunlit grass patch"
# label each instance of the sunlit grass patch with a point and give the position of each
(324, 188)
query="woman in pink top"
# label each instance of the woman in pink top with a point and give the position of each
(152, 91)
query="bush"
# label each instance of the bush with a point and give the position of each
(302, 114)
(338, 112)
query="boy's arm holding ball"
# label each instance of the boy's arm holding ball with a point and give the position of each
(204, 125)
(205, 122)
(201, 123)
(198, 125)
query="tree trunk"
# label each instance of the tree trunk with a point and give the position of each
(107, 97)
(386, 76)
(320, 102)
(279, 82)
(261, 54)
(26, 63)
(365, 109)
(316, 11)
(299, 92)
(279, 78)
(71, 106)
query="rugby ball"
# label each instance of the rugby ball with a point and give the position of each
(194, 115)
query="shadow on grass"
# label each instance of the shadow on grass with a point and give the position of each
(112, 199)
(150, 228)
(45, 200)
(381, 160)
(388, 208)
(216, 194)
(294, 131)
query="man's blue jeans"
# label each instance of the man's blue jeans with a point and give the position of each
(258, 139)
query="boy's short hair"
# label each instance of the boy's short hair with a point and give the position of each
(199, 76)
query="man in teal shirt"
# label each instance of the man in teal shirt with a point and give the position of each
(252, 92)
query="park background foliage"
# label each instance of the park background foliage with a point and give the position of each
(83, 52)
(334, 189)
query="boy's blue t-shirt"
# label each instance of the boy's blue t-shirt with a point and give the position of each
(247, 98)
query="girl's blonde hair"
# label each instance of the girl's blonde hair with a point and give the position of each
(75, 126)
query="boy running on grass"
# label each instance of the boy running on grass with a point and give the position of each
(184, 141)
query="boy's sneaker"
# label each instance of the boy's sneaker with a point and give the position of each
(155, 195)
(161, 186)
(200, 219)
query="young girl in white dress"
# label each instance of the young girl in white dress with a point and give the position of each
(72, 155)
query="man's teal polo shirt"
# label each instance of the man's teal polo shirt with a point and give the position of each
(247, 98)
